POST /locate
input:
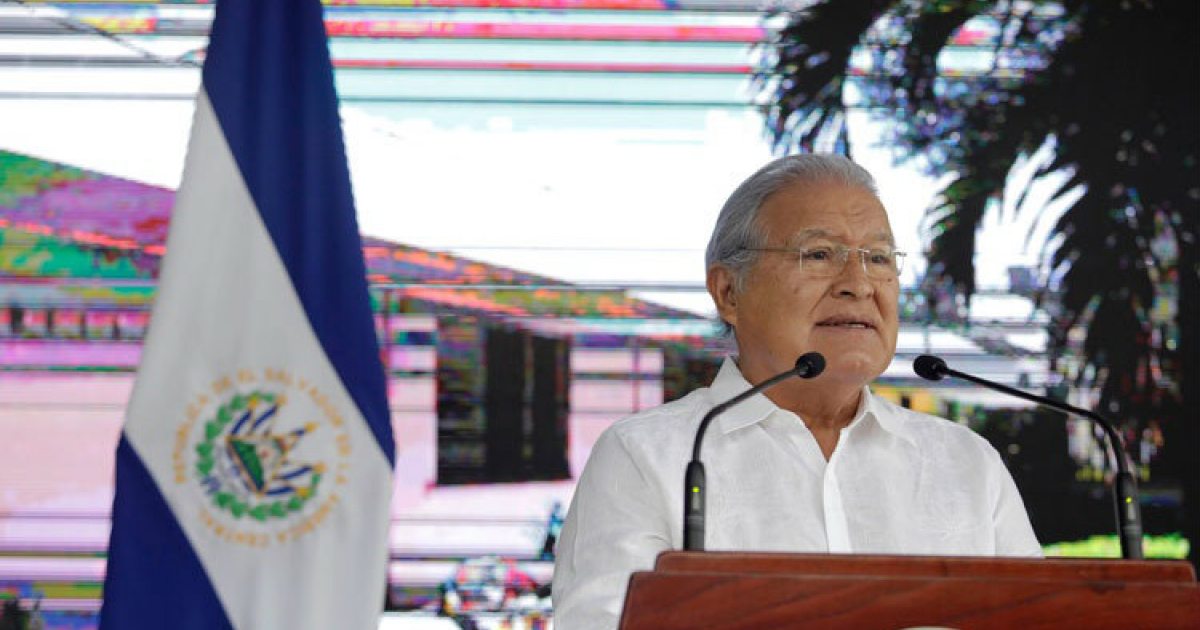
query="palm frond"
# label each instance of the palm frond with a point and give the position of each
(812, 55)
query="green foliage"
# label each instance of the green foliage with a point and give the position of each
(1123, 129)
(1169, 547)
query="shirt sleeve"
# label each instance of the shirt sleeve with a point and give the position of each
(616, 525)
(1014, 533)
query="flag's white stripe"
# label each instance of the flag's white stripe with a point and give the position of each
(226, 301)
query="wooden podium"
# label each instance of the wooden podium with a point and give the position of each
(757, 591)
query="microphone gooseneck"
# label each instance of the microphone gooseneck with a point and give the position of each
(1125, 493)
(809, 365)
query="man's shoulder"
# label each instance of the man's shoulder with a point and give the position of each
(664, 422)
(657, 440)
(923, 427)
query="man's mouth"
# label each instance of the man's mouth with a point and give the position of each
(847, 323)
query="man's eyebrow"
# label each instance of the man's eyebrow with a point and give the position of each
(811, 233)
(884, 235)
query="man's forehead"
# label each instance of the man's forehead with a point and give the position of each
(810, 234)
(826, 209)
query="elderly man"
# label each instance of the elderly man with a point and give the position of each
(801, 259)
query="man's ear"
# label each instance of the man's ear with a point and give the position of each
(722, 286)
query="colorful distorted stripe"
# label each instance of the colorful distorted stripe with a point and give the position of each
(66, 223)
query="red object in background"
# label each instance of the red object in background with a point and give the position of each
(488, 583)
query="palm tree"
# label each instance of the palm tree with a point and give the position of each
(1111, 91)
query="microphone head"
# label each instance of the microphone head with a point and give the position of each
(929, 367)
(810, 365)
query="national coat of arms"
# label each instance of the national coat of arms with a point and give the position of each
(268, 454)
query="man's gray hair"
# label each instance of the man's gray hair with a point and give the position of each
(737, 226)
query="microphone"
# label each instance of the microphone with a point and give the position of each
(809, 365)
(1125, 494)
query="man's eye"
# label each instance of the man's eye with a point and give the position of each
(817, 254)
(879, 257)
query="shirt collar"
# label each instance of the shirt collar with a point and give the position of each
(887, 415)
(730, 382)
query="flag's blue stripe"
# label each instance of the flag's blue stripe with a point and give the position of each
(153, 579)
(268, 75)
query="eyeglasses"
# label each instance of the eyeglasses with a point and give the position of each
(828, 261)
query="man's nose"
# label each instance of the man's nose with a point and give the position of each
(853, 280)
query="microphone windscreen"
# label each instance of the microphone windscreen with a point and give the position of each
(810, 365)
(929, 367)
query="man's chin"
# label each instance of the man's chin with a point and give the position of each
(850, 369)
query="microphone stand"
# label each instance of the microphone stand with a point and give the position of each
(1125, 493)
(808, 365)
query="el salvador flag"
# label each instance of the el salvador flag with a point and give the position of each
(254, 470)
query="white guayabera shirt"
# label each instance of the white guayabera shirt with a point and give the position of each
(899, 481)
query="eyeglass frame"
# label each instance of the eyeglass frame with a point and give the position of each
(897, 256)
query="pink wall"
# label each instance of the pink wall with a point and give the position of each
(59, 431)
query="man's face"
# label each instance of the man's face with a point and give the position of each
(782, 311)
